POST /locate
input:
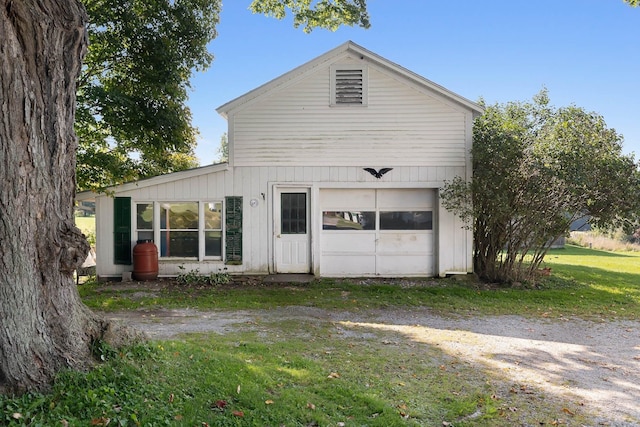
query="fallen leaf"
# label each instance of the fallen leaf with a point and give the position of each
(102, 421)
(334, 375)
(171, 397)
(238, 414)
(568, 411)
(238, 389)
(205, 424)
(178, 418)
(269, 402)
(311, 406)
(17, 415)
(64, 423)
(220, 404)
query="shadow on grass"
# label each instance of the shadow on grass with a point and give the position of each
(593, 365)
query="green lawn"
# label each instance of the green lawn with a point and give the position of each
(584, 283)
(287, 373)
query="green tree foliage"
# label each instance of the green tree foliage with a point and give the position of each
(536, 169)
(223, 150)
(131, 118)
(634, 3)
(327, 14)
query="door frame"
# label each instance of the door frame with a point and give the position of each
(278, 190)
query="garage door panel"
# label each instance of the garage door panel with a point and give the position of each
(349, 199)
(336, 241)
(405, 198)
(348, 265)
(406, 242)
(405, 265)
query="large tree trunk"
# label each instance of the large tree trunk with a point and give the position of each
(44, 327)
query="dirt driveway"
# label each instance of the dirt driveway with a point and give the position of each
(590, 363)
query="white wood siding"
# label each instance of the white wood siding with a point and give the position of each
(211, 186)
(400, 124)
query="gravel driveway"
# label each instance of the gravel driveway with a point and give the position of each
(596, 364)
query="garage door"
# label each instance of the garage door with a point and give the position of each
(377, 232)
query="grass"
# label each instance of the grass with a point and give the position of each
(585, 283)
(86, 223)
(287, 373)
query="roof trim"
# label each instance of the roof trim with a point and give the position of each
(156, 180)
(329, 56)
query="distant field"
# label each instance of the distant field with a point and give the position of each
(86, 223)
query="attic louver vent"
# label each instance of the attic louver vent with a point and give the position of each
(349, 87)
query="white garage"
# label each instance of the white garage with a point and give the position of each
(377, 232)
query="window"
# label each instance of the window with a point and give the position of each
(144, 221)
(293, 213)
(406, 220)
(182, 229)
(333, 220)
(213, 229)
(349, 85)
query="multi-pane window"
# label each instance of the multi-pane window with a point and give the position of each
(213, 229)
(179, 229)
(144, 221)
(293, 213)
(182, 229)
(366, 220)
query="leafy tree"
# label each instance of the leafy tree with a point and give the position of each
(536, 169)
(328, 14)
(131, 120)
(223, 151)
(45, 327)
(633, 3)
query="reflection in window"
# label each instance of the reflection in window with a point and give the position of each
(406, 220)
(342, 220)
(144, 221)
(213, 229)
(179, 229)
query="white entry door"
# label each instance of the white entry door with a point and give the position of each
(292, 235)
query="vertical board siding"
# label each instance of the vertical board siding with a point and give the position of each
(399, 124)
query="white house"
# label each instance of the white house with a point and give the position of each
(334, 169)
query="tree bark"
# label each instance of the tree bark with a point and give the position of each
(44, 327)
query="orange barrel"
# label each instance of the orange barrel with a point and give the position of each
(145, 260)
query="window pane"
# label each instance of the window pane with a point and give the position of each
(407, 220)
(213, 216)
(213, 243)
(145, 235)
(293, 213)
(144, 216)
(179, 243)
(332, 220)
(179, 216)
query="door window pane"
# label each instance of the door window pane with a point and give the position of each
(406, 220)
(293, 213)
(337, 220)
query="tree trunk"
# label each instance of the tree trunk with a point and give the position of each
(44, 327)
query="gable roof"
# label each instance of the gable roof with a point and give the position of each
(329, 57)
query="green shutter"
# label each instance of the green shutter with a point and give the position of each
(233, 230)
(122, 230)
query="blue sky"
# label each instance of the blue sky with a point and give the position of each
(585, 52)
